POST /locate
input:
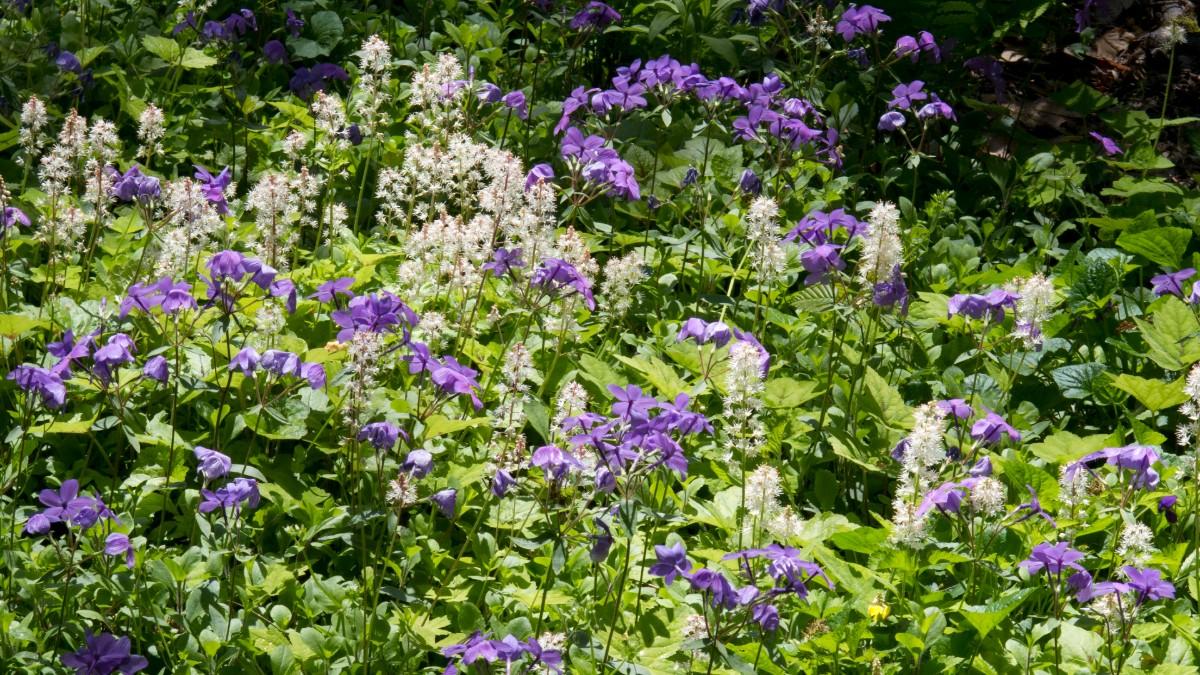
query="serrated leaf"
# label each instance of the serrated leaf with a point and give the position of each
(1065, 446)
(1078, 380)
(194, 59)
(661, 376)
(987, 617)
(14, 326)
(1162, 245)
(164, 48)
(1154, 394)
(784, 392)
(888, 403)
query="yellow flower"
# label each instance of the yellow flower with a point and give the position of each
(878, 610)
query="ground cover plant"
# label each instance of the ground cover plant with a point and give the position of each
(684, 336)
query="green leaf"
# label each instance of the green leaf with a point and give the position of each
(194, 59)
(440, 425)
(888, 403)
(13, 326)
(987, 617)
(327, 27)
(1162, 245)
(1154, 394)
(1171, 337)
(164, 48)
(661, 376)
(1078, 380)
(1065, 446)
(784, 392)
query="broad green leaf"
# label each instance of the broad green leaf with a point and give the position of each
(1154, 394)
(1078, 380)
(987, 617)
(440, 425)
(195, 59)
(1065, 446)
(1171, 335)
(661, 376)
(164, 48)
(784, 392)
(888, 403)
(15, 325)
(1162, 245)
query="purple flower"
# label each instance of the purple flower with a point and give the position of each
(1108, 145)
(594, 15)
(1166, 506)
(275, 52)
(554, 461)
(819, 262)
(489, 93)
(501, 483)
(787, 565)
(446, 500)
(1054, 559)
(504, 260)
(418, 463)
(912, 47)
(11, 215)
(540, 173)
(68, 62)
(214, 187)
(133, 185)
(294, 23)
(936, 108)
(631, 402)
(232, 496)
(373, 313)
(211, 464)
(860, 21)
(989, 430)
(704, 332)
(672, 563)
(1034, 506)
(818, 227)
(905, 95)
(560, 274)
(891, 291)
(66, 505)
(721, 592)
(119, 544)
(947, 497)
(1136, 458)
(890, 121)
(956, 407)
(981, 468)
(281, 363)
(116, 352)
(1171, 282)
(382, 435)
(307, 81)
(104, 654)
(245, 361)
(453, 377)
(46, 384)
(993, 70)
(515, 100)
(749, 183)
(156, 369)
(328, 291)
(1148, 584)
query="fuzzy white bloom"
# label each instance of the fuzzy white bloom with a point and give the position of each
(435, 92)
(620, 276)
(571, 248)
(1073, 487)
(767, 256)
(401, 491)
(1137, 544)
(192, 222)
(72, 138)
(446, 253)
(908, 528)
(330, 116)
(926, 447)
(882, 250)
(785, 525)
(150, 130)
(54, 174)
(1035, 304)
(63, 231)
(988, 496)
(374, 65)
(374, 57)
(744, 378)
(572, 400)
(103, 144)
(762, 492)
(274, 200)
(33, 120)
(294, 144)
(695, 627)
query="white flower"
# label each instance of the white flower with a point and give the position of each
(762, 492)
(882, 250)
(150, 130)
(1034, 306)
(620, 276)
(988, 496)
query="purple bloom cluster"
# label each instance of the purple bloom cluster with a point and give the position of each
(857, 21)
(704, 332)
(373, 313)
(47, 384)
(232, 496)
(913, 47)
(447, 374)
(133, 185)
(594, 15)
(975, 306)
(11, 215)
(233, 27)
(1136, 459)
(66, 505)
(229, 268)
(214, 187)
(1171, 283)
(600, 165)
(907, 97)
(211, 464)
(105, 654)
(558, 274)
(307, 81)
(480, 649)
(165, 293)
